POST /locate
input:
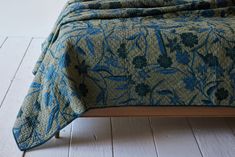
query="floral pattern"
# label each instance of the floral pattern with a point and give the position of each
(139, 62)
(189, 39)
(129, 53)
(142, 89)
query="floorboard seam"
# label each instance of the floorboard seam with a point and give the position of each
(70, 139)
(155, 145)
(13, 78)
(111, 132)
(3, 42)
(194, 136)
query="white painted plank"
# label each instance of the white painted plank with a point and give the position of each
(2, 40)
(214, 137)
(27, 18)
(174, 137)
(15, 97)
(132, 137)
(91, 137)
(11, 54)
(54, 147)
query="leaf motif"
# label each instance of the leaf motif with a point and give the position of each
(80, 50)
(207, 102)
(90, 46)
(20, 113)
(118, 78)
(35, 85)
(192, 99)
(64, 92)
(143, 74)
(167, 71)
(113, 62)
(99, 68)
(16, 132)
(201, 56)
(66, 105)
(160, 42)
(132, 37)
(64, 60)
(175, 100)
(51, 119)
(137, 45)
(201, 30)
(215, 40)
(182, 57)
(122, 87)
(93, 31)
(165, 92)
(48, 99)
(36, 106)
(211, 89)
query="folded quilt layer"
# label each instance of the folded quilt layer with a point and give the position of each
(104, 53)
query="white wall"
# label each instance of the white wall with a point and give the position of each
(33, 18)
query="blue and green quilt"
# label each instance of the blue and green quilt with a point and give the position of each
(104, 53)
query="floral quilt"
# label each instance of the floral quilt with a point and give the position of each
(104, 53)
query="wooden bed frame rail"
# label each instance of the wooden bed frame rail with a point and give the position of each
(160, 111)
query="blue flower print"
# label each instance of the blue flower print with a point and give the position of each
(142, 89)
(189, 39)
(139, 62)
(182, 57)
(164, 61)
(190, 82)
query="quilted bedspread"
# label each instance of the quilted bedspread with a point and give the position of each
(104, 53)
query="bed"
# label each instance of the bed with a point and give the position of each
(131, 58)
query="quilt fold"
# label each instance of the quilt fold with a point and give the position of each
(111, 53)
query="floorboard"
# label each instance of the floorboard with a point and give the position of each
(54, 147)
(29, 17)
(91, 137)
(15, 96)
(174, 138)
(214, 137)
(132, 137)
(11, 55)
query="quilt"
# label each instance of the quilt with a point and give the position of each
(112, 53)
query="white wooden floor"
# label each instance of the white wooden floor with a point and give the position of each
(104, 137)
(28, 17)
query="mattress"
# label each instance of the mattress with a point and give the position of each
(114, 53)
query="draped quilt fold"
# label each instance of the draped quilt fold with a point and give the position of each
(104, 53)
